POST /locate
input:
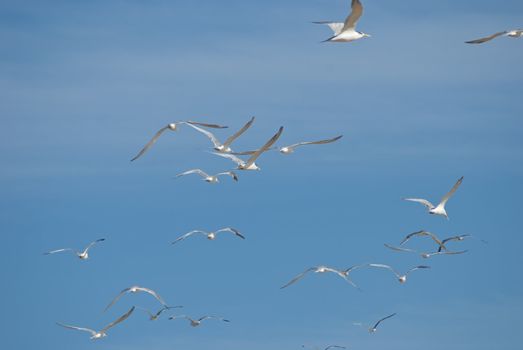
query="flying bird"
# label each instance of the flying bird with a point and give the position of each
(136, 289)
(197, 322)
(373, 329)
(423, 254)
(346, 32)
(210, 235)
(250, 163)
(226, 146)
(210, 178)
(328, 347)
(423, 233)
(322, 269)
(458, 238)
(172, 126)
(82, 255)
(291, 148)
(401, 278)
(440, 208)
(102, 333)
(510, 33)
(154, 317)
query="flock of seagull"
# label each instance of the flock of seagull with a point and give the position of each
(343, 32)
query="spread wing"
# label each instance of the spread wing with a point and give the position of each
(194, 171)
(213, 126)
(485, 39)
(117, 298)
(425, 202)
(451, 192)
(59, 250)
(93, 243)
(210, 135)
(232, 157)
(336, 27)
(120, 319)
(383, 319)
(398, 249)
(150, 143)
(352, 19)
(417, 268)
(233, 137)
(153, 293)
(187, 235)
(299, 277)
(230, 173)
(265, 147)
(93, 332)
(320, 142)
(232, 230)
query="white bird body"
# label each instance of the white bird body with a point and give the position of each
(346, 31)
(209, 178)
(440, 208)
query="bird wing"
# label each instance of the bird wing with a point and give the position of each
(234, 136)
(336, 27)
(117, 298)
(210, 135)
(383, 319)
(150, 143)
(187, 235)
(425, 202)
(451, 192)
(92, 331)
(120, 319)
(334, 346)
(194, 171)
(232, 157)
(93, 243)
(232, 230)
(299, 277)
(417, 268)
(230, 173)
(265, 147)
(398, 249)
(447, 253)
(352, 19)
(153, 293)
(485, 39)
(245, 153)
(214, 126)
(383, 266)
(320, 142)
(59, 250)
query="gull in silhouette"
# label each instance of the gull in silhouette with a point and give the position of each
(155, 316)
(346, 32)
(516, 33)
(210, 178)
(423, 254)
(102, 333)
(136, 289)
(373, 329)
(173, 127)
(210, 235)
(250, 163)
(401, 278)
(197, 322)
(440, 208)
(226, 146)
(322, 269)
(82, 255)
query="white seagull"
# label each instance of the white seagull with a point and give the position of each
(154, 317)
(250, 163)
(373, 329)
(82, 255)
(172, 126)
(440, 208)
(226, 146)
(102, 333)
(322, 269)
(458, 238)
(210, 235)
(346, 32)
(291, 148)
(136, 289)
(197, 322)
(516, 33)
(209, 178)
(401, 278)
(423, 254)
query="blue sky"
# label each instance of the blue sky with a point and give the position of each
(85, 85)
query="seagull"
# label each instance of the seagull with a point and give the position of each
(459, 239)
(250, 163)
(100, 334)
(226, 146)
(346, 32)
(290, 149)
(172, 126)
(424, 255)
(154, 317)
(517, 33)
(375, 327)
(322, 269)
(440, 208)
(136, 289)
(196, 323)
(424, 233)
(210, 235)
(209, 178)
(83, 255)
(329, 347)
(401, 278)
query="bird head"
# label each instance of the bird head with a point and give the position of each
(172, 126)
